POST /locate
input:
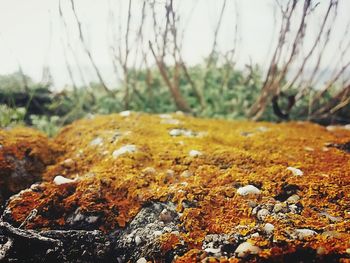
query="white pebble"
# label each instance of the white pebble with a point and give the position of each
(212, 250)
(248, 189)
(138, 240)
(175, 132)
(96, 142)
(186, 174)
(165, 116)
(245, 249)
(130, 148)
(170, 121)
(194, 153)
(141, 260)
(293, 199)
(125, 113)
(59, 179)
(269, 228)
(295, 171)
(304, 232)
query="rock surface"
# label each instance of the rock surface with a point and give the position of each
(140, 206)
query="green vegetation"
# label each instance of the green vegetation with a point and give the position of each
(215, 91)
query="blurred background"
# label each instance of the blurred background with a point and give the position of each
(271, 60)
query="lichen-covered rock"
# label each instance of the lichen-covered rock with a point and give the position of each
(157, 202)
(24, 155)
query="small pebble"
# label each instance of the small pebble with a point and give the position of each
(262, 214)
(141, 260)
(269, 228)
(59, 180)
(130, 148)
(165, 216)
(170, 172)
(304, 232)
(330, 217)
(68, 163)
(309, 149)
(138, 240)
(170, 121)
(165, 116)
(293, 199)
(245, 249)
(212, 250)
(175, 132)
(295, 171)
(248, 189)
(277, 208)
(125, 113)
(255, 235)
(149, 170)
(333, 234)
(186, 174)
(96, 142)
(194, 153)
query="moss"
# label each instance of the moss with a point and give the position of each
(234, 153)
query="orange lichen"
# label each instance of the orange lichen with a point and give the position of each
(24, 154)
(233, 154)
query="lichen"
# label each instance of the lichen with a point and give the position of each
(115, 189)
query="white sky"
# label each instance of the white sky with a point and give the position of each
(26, 27)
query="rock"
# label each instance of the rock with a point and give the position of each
(194, 153)
(248, 189)
(130, 148)
(130, 208)
(245, 249)
(59, 180)
(295, 171)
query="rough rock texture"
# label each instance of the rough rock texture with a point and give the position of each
(24, 154)
(139, 193)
